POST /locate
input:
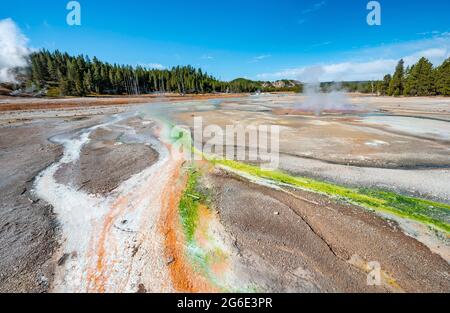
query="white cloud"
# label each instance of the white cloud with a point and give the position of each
(315, 7)
(13, 49)
(260, 58)
(321, 44)
(347, 71)
(207, 57)
(362, 66)
(404, 49)
(154, 66)
(435, 55)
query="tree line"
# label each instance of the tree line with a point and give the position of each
(65, 75)
(80, 76)
(350, 86)
(420, 79)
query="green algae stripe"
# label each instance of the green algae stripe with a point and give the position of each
(434, 214)
(201, 259)
(189, 206)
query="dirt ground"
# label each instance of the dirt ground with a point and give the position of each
(322, 239)
(24, 104)
(93, 172)
(28, 227)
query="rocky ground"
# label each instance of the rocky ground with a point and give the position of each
(29, 230)
(314, 244)
(105, 162)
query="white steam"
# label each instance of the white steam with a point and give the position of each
(317, 101)
(13, 49)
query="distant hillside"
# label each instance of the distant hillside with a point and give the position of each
(266, 86)
(284, 84)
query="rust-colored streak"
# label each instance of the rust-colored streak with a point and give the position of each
(182, 275)
(97, 278)
(98, 275)
(218, 262)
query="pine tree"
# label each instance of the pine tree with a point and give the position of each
(420, 79)
(397, 83)
(71, 78)
(384, 85)
(443, 78)
(36, 71)
(410, 87)
(88, 86)
(426, 80)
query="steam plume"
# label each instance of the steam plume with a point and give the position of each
(13, 49)
(317, 101)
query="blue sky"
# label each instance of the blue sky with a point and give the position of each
(245, 38)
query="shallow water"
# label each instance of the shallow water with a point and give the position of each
(413, 125)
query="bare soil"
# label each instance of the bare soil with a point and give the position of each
(28, 228)
(23, 104)
(307, 233)
(104, 164)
